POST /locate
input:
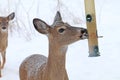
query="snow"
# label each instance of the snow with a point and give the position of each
(79, 66)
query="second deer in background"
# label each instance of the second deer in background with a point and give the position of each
(4, 23)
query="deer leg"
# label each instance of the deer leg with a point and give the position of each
(0, 68)
(4, 59)
(66, 76)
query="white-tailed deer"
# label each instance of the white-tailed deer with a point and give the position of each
(60, 35)
(4, 23)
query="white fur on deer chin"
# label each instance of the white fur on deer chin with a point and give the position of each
(47, 35)
(4, 30)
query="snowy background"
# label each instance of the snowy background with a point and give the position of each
(24, 40)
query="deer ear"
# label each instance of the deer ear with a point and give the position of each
(58, 17)
(40, 26)
(11, 16)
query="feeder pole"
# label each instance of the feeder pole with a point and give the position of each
(91, 27)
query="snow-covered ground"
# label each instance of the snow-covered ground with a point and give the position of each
(79, 66)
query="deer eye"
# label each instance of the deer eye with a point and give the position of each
(61, 30)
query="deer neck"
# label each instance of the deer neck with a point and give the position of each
(56, 61)
(3, 35)
(3, 38)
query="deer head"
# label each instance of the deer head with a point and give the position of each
(59, 32)
(4, 21)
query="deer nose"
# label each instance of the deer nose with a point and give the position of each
(3, 27)
(84, 31)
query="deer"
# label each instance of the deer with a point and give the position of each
(4, 24)
(60, 34)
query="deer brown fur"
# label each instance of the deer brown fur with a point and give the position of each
(60, 35)
(4, 23)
